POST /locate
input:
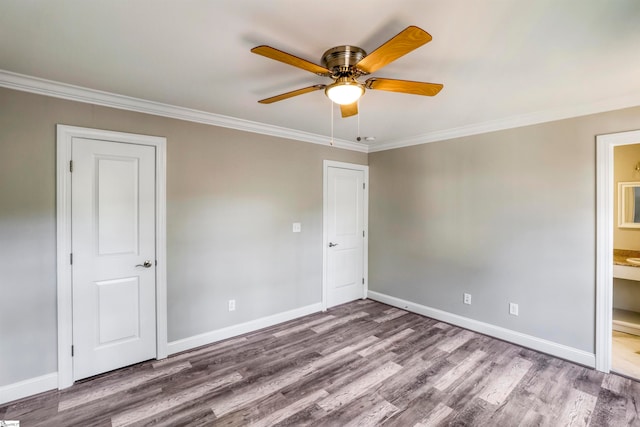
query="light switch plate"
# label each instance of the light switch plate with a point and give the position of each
(297, 227)
(513, 309)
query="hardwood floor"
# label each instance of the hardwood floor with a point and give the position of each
(625, 354)
(359, 364)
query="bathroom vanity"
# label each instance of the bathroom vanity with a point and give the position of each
(626, 265)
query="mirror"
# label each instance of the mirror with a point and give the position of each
(629, 204)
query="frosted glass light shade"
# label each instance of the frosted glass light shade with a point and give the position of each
(344, 92)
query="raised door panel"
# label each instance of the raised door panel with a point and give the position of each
(118, 310)
(117, 213)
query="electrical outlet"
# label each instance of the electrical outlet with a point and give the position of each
(513, 308)
(232, 305)
(467, 299)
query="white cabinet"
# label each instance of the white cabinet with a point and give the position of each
(627, 272)
(625, 320)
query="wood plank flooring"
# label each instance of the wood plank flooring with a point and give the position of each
(359, 364)
(625, 354)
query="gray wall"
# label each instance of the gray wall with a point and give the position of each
(507, 216)
(231, 199)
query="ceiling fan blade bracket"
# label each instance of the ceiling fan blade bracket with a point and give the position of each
(369, 83)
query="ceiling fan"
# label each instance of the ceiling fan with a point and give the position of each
(345, 64)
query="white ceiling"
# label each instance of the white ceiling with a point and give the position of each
(498, 59)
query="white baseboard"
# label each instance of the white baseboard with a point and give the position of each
(48, 382)
(242, 328)
(28, 387)
(559, 350)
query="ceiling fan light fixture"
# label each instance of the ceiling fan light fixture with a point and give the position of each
(344, 91)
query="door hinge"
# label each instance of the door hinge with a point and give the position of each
(71, 258)
(362, 233)
(363, 184)
(363, 280)
(70, 165)
(71, 351)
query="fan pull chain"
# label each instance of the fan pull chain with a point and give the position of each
(358, 101)
(331, 142)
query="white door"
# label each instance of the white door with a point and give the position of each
(113, 246)
(345, 235)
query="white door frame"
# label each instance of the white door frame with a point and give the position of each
(325, 221)
(65, 135)
(604, 241)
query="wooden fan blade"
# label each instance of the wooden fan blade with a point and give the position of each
(287, 58)
(404, 42)
(404, 86)
(291, 94)
(349, 110)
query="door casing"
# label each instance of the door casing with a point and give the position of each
(65, 135)
(325, 218)
(604, 241)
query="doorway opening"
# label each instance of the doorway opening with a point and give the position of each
(617, 243)
(625, 349)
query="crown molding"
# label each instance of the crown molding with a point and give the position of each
(55, 89)
(601, 106)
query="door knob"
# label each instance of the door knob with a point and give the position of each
(331, 244)
(146, 264)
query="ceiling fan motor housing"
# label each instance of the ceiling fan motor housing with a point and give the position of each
(341, 60)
